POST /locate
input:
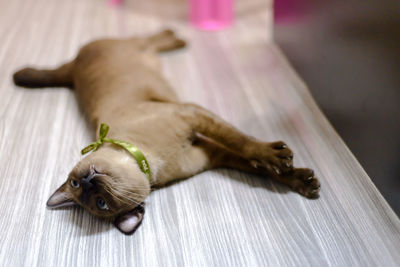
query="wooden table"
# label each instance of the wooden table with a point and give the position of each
(218, 218)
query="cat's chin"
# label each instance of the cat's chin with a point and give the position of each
(115, 162)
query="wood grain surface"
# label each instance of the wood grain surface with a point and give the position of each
(218, 218)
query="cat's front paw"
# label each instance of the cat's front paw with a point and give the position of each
(275, 157)
(303, 181)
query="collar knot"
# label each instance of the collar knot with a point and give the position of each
(133, 150)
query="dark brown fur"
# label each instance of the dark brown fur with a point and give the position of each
(119, 82)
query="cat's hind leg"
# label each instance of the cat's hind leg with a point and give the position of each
(164, 41)
(36, 78)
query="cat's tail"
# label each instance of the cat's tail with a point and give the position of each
(165, 41)
(34, 78)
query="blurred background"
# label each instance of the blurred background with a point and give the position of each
(348, 54)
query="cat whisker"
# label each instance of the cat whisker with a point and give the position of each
(124, 195)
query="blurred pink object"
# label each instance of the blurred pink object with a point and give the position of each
(114, 2)
(211, 14)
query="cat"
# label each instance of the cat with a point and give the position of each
(119, 82)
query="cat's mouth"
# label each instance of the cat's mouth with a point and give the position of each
(89, 179)
(94, 171)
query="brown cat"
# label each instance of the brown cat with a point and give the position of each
(119, 82)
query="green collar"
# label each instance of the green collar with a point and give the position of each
(133, 150)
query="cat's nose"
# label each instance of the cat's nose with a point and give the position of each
(88, 181)
(87, 185)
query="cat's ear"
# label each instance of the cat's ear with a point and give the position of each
(128, 223)
(60, 198)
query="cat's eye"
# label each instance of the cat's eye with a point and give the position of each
(74, 183)
(102, 204)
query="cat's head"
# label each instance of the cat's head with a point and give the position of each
(109, 184)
